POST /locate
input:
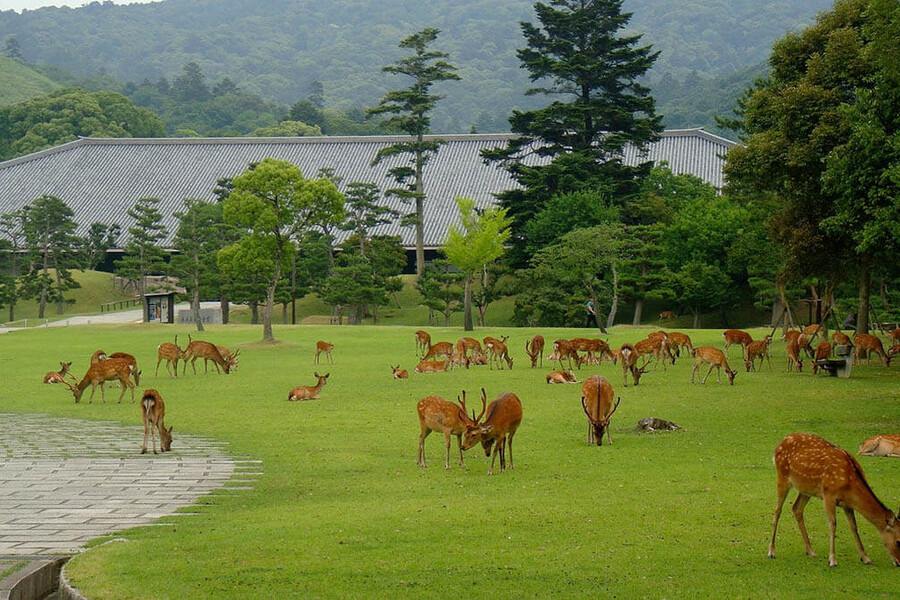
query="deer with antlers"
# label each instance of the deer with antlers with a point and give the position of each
(504, 415)
(881, 445)
(716, 359)
(534, 348)
(757, 350)
(197, 349)
(497, 351)
(437, 414)
(866, 345)
(323, 347)
(561, 377)
(58, 376)
(171, 353)
(815, 467)
(597, 401)
(423, 342)
(398, 373)
(99, 373)
(304, 392)
(153, 414)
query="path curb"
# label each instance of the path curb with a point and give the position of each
(36, 580)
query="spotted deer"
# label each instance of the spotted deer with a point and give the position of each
(597, 401)
(504, 415)
(838, 338)
(58, 376)
(437, 414)
(498, 352)
(197, 349)
(423, 341)
(305, 392)
(111, 369)
(323, 347)
(716, 359)
(534, 348)
(171, 353)
(757, 350)
(881, 445)
(131, 360)
(823, 351)
(793, 354)
(815, 467)
(439, 349)
(678, 340)
(432, 366)
(736, 336)
(629, 358)
(398, 373)
(153, 413)
(565, 350)
(870, 345)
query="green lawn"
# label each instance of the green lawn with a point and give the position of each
(342, 511)
(96, 288)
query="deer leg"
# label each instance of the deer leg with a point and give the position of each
(851, 518)
(144, 445)
(708, 371)
(832, 525)
(422, 435)
(459, 445)
(493, 458)
(608, 434)
(694, 371)
(509, 444)
(797, 509)
(330, 358)
(590, 434)
(783, 489)
(159, 360)
(447, 445)
(501, 447)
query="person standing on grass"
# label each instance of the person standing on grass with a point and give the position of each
(590, 314)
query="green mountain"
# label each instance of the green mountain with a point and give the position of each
(279, 48)
(19, 82)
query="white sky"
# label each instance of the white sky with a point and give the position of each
(20, 4)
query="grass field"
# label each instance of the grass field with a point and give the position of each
(96, 288)
(342, 511)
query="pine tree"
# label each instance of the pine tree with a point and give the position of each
(143, 254)
(364, 212)
(198, 239)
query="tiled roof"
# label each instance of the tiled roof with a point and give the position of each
(101, 178)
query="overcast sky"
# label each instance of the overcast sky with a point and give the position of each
(20, 4)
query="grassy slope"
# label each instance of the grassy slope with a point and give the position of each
(96, 288)
(18, 82)
(342, 511)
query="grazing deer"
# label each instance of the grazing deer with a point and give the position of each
(97, 356)
(535, 350)
(322, 346)
(58, 376)
(131, 360)
(869, 344)
(678, 341)
(823, 351)
(565, 350)
(101, 372)
(423, 342)
(305, 392)
(153, 413)
(171, 353)
(881, 445)
(597, 401)
(469, 345)
(398, 373)
(459, 357)
(793, 354)
(812, 330)
(816, 467)
(655, 347)
(629, 357)
(561, 377)
(439, 349)
(839, 338)
(208, 352)
(432, 366)
(437, 414)
(757, 350)
(667, 315)
(498, 351)
(230, 357)
(479, 358)
(804, 342)
(715, 358)
(596, 349)
(736, 336)
(665, 342)
(499, 427)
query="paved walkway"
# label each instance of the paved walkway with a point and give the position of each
(65, 481)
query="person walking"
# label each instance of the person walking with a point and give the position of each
(590, 314)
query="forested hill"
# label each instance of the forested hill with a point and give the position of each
(278, 48)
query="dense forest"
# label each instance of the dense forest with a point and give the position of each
(277, 49)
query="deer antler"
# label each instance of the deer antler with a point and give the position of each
(614, 408)
(483, 405)
(584, 407)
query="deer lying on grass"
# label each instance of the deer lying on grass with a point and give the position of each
(459, 358)
(498, 351)
(423, 342)
(58, 376)
(99, 373)
(678, 340)
(757, 350)
(815, 467)
(881, 445)
(869, 344)
(498, 429)
(597, 401)
(534, 348)
(823, 351)
(736, 336)
(324, 347)
(716, 359)
(153, 413)
(304, 392)
(561, 377)
(398, 373)
(432, 366)
(793, 354)
(197, 349)
(437, 414)
(171, 353)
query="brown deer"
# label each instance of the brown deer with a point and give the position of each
(469, 345)
(398, 373)
(535, 350)
(324, 347)
(565, 350)
(656, 348)
(101, 372)
(230, 357)
(823, 351)
(439, 349)
(197, 349)
(715, 358)
(171, 353)
(131, 360)
(895, 335)
(153, 413)
(561, 377)
(597, 401)
(504, 415)
(97, 356)
(793, 354)
(596, 349)
(678, 341)
(432, 366)
(812, 330)
(667, 315)
(736, 336)
(869, 344)
(816, 467)
(437, 414)
(629, 357)
(58, 376)
(838, 338)
(881, 445)
(498, 351)
(804, 342)
(758, 349)
(423, 342)
(666, 344)
(305, 392)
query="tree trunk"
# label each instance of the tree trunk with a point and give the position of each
(268, 336)
(254, 312)
(225, 306)
(59, 301)
(420, 216)
(696, 319)
(294, 288)
(42, 303)
(284, 313)
(865, 289)
(467, 304)
(638, 311)
(447, 319)
(195, 307)
(614, 306)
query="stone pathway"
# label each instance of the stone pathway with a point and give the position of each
(65, 481)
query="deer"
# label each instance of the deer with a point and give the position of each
(715, 358)
(561, 377)
(804, 342)
(171, 353)
(839, 338)
(97, 356)
(881, 445)
(504, 415)
(208, 352)
(736, 336)
(655, 347)
(823, 351)
(667, 315)
(812, 330)
(498, 351)
(816, 467)
(597, 401)
(398, 373)
(439, 349)
(678, 341)
(58, 376)
(793, 355)
(596, 349)
(432, 366)
(131, 360)
(459, 358)
(869, 344)
(230, 357)
(665, 342)
(153, 413)
(423, 342)
(304, 392)
(324, 347)
(564, 349)
(535, 350)
(437, 414)
(101, 372)
(469, 344)
(629, 357)
(758, 349)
